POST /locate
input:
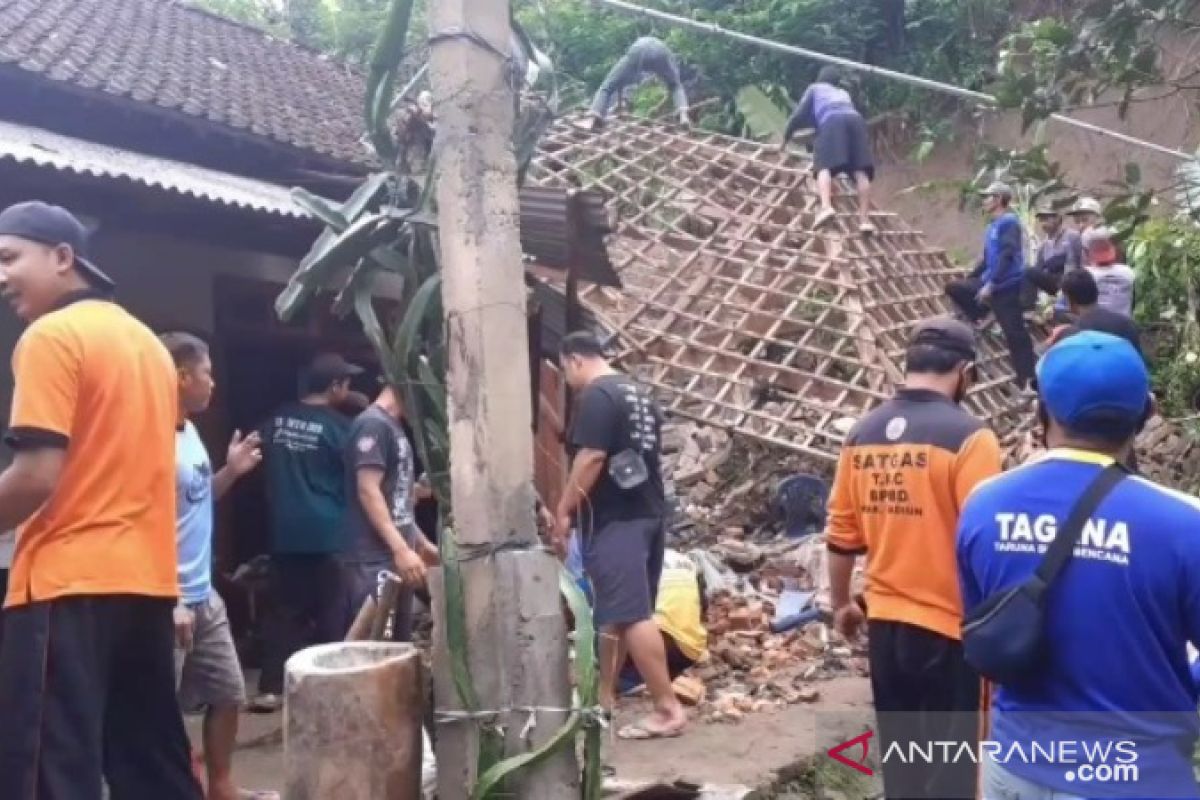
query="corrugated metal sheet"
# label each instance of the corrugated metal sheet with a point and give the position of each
(28, 145)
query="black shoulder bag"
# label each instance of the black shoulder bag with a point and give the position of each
(628, 468)
(1004, 638)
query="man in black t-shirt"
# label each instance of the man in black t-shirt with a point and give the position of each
(380, 528)
(302, 460)
(616, 431)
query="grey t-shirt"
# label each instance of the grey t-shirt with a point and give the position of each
(377, 440)
(1115, 284)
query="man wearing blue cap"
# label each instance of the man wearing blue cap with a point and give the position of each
(1112, 696)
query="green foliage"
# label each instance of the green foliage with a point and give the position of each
(344, 28)
(1166, 254)
(764, 117)
(1099, 46)
(952, 40)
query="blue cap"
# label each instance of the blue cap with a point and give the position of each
(1094, 382)
(54, 225)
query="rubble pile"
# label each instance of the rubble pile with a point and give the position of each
(721, 484)
(750, 669)
(1169, 454)
(727, 522)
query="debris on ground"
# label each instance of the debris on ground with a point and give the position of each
(761, 554)
(1169, 453)
(751, 518)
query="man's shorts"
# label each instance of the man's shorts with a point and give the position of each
(209, 674)
(623, 560)
(843, 146)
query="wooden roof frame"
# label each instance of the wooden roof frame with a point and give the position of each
(733, 308)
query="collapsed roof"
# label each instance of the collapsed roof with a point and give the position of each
(732, 308)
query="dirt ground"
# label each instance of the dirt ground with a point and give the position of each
(752, 753)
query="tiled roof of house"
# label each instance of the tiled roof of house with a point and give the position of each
(167, 54)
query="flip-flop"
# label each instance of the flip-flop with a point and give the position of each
(265, 704)
(824, 218)
(639, 731)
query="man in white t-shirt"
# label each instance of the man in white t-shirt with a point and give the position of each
(1114, 280)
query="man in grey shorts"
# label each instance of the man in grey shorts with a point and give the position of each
(208, 675)
(647, 56)
(614, 441)
(380, 528)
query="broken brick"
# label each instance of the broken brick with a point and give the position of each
(689, 690)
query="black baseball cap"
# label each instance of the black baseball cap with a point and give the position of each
(54, 225)
(946, 333)
(332, 367)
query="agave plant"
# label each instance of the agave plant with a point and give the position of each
(388, 225)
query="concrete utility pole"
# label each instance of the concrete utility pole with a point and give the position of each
(515, 627)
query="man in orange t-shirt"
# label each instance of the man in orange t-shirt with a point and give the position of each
(87, 678)
(904, 473)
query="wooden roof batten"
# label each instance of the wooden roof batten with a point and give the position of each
(733, 308)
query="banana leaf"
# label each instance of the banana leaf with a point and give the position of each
(407, 340)
(587, 682)
(326, 210)
(340, 216)
(435, 389)
(764, 117)
(381, 77)
(329, 255)
(366, 194)
(364, 307)
(390, 259)
(456, 636)
(362, 274)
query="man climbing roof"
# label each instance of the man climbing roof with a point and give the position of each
(645, 57)
(842, 146)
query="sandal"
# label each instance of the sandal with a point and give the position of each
(265, 704)
(641, 731)
(824, 218)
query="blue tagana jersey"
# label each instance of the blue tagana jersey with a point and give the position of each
(1118, 621)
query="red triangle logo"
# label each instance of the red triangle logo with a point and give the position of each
(836, 753)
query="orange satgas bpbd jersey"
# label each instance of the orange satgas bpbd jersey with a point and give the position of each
(903, 476)
(93, 378)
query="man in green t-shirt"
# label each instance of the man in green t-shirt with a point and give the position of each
(302, 447)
